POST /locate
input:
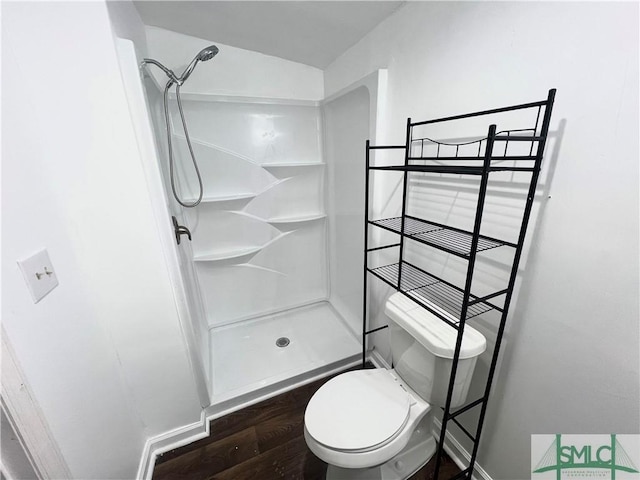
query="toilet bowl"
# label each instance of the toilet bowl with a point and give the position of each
(358, 421)
(376, 424)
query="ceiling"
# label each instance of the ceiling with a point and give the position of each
(310, 32)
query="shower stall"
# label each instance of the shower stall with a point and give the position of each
(272, 274)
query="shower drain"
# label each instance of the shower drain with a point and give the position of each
(282, 342)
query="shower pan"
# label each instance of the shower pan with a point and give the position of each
(271, 274)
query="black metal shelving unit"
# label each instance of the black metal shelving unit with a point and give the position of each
(456, 304)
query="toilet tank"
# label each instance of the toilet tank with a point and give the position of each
(422, 347)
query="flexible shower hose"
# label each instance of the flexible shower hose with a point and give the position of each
(186, 134)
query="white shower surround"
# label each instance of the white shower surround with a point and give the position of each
(263, 255)
(260, 243)
(264, 250)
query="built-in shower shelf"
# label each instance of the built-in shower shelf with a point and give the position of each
(227, 254)
(225, 198)
(296, 219)
(292, 164)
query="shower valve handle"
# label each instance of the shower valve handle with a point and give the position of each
(180, 230)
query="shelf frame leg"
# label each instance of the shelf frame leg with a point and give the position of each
(465, 300)
(366, 246)
(405, 190)
(514, 271)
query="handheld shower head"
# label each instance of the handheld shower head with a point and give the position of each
(207, 53)
(203, 55)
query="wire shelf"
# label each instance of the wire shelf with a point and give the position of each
(429, 289)
(417, 146)
(514, 150)
(451, 240)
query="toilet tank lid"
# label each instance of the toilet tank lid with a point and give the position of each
(435, 335)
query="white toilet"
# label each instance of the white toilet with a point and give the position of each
(375, 424)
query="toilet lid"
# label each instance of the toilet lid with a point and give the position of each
(357, 410)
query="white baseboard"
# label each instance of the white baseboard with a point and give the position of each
(378, 361)
(167, 441)
(187, 434)
(460, 456)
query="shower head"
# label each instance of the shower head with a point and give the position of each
(207, 53)
(203, 55)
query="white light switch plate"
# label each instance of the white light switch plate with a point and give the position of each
(39, 274)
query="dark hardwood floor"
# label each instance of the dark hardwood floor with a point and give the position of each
(261, 442)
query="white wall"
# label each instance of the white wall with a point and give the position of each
(234, 71)
(571, 355)
(103, 353)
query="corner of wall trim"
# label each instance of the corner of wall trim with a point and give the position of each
(170, 440)
(28, 419)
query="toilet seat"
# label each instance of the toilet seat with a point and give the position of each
(373, 386)
(358, 411)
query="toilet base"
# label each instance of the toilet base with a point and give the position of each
(413, 457)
